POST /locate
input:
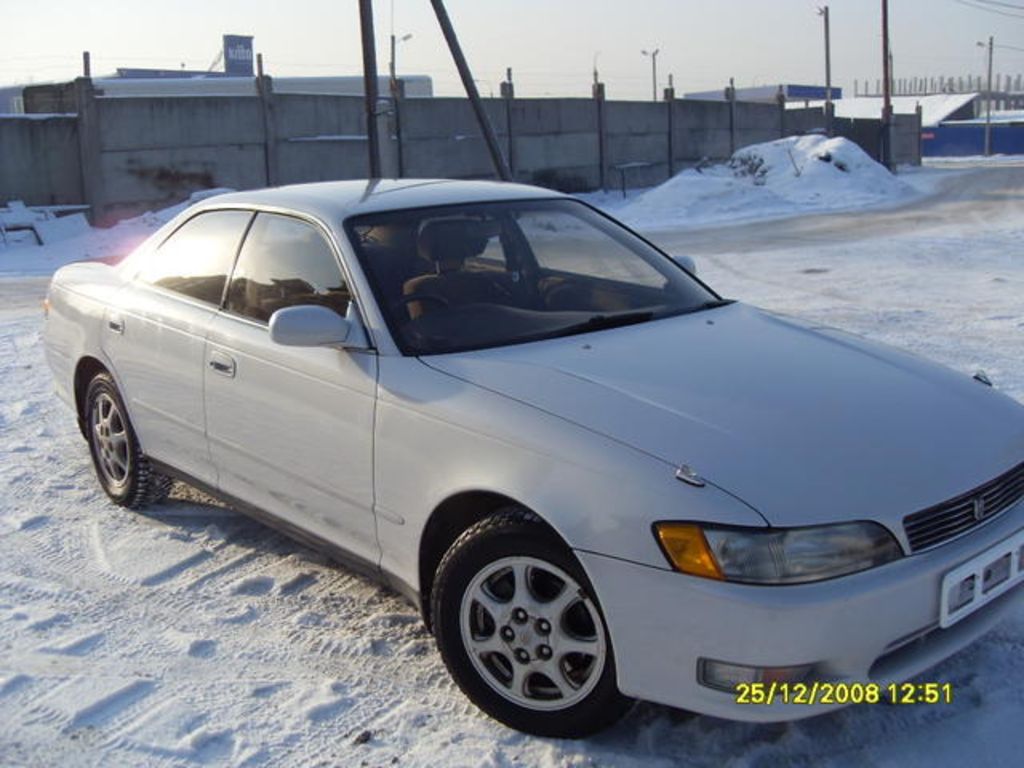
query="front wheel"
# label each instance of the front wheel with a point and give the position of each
(520, 629)
(123, 470)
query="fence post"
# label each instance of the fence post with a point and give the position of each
(508, 93)
(265, 93)
(730, 96)
(920, 133)
(780, 99)
(670, 100)
(89, 153)
(397, 95)
(598, 92)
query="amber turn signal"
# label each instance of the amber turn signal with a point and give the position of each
(687, 550)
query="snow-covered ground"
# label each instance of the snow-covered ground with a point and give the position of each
(188, 635)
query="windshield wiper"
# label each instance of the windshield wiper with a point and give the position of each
(711, 305)
(601, 322)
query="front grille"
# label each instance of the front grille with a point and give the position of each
(951, 518)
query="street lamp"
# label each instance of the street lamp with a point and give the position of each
(394, 44)
(988, 100)
(654, 71)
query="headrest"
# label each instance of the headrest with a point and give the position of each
(447, 243)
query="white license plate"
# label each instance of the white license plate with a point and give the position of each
(982, 579)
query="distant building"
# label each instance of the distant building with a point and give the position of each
(236, 79)
(935, 109)
(769, 94)
(11, 101)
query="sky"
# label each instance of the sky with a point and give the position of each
(551, 45)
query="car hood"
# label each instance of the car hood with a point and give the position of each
(806, 425)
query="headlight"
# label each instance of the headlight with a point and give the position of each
(776, 555)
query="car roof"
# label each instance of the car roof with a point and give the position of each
(336, 200)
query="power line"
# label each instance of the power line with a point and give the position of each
(973, 4)
(1001, 4)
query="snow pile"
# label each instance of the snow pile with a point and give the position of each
(22, 256)
(800, 174)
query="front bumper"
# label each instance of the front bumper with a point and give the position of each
(879, 625)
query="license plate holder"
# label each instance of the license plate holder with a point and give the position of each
(981, 579)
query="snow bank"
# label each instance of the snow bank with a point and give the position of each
(22, 256)
(800, 174)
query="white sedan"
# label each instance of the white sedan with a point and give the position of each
(598, 479)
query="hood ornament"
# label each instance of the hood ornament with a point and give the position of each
(981, 376)
(689, 475)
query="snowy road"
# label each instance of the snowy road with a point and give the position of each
(189, 635)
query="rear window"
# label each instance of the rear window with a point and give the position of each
(196, 259)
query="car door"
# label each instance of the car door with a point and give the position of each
(155, 335)
(291, 428)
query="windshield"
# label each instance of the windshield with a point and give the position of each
(467, 277)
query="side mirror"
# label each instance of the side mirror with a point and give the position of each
(311, 325)
(687, 263)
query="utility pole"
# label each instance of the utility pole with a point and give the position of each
(654, 71)
(823, 11)
(887, 89)
(988, 99)
(370, 85)
(500, 166)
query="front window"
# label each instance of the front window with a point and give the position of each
(474, 276)
(285, 262)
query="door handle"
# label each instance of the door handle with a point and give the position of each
(222, 364)
(115, 324)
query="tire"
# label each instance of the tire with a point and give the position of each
(521, 632)
(123, 470)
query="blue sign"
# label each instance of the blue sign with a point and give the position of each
(238, 56)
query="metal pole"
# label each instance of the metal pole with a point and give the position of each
(887, 89)
(654, 75)
(988, 108)
(391, 64)
(828, 71)
(500, 166)
(370, 85)
(654, 70)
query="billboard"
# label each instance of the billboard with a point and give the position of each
(238, 56)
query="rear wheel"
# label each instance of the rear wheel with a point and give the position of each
(521, 632)
(123, 470)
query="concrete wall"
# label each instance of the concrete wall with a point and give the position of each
(556, 142)
(154, 152)
(906, 139)
(756, 123)
(700, 129)
(126, 155)
(799, 121)
(39, 160)
(319, 138)
(637, 132)
(440, 138)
